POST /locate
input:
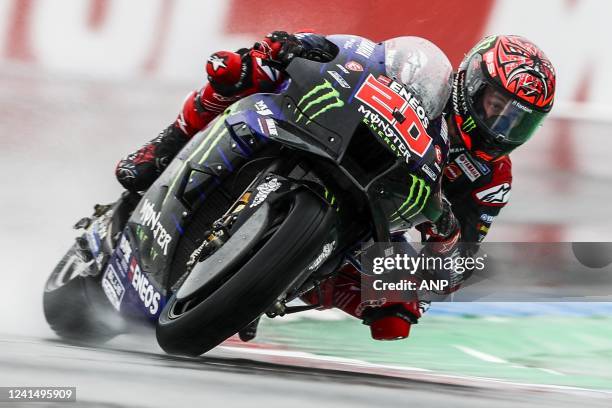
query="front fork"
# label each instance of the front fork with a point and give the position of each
(271, 186)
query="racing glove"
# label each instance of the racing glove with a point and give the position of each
(442, 235)
(443, 242)
(280, 47)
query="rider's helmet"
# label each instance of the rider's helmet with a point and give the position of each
(504, 88)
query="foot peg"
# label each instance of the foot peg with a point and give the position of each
(83, 252)
(82, 249)
(83, 223)
(100, 209)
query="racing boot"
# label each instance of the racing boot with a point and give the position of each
(137, 171)
(392, 321)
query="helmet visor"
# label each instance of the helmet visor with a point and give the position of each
(506, 120)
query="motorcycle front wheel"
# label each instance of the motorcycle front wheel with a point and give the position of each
(254, 286)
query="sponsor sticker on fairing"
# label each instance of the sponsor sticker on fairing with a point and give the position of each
(339, 79)
(365, 48)
(262, 108)
(267, 126)
(112, 286)
(349, 43)
(385, 131)
(318, 100)
(444, 131)
(126, 254)
(150, 218)
(147, 293)
(271, 127)
(438, 154)
(94, 241)
(325, 253)
(263, 190)
(354, 66)
(341, 68)
(401, 111)
(100, 226)
(427, 170)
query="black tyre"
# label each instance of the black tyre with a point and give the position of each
(254, 287)
(69, 304)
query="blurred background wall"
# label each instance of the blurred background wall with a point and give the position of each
(170, 39)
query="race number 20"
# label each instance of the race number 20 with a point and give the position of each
(379, 96)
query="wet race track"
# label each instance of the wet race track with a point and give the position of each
(119, 376)
(58, 161)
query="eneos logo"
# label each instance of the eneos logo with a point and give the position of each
(147, 293)
(400, 108)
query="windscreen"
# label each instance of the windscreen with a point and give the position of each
(423, 69)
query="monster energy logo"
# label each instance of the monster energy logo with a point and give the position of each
(217, 131)
(331, 199)
(469, 125)
(319, 100)
(417, 198)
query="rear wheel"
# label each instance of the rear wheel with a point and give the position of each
(254, 286)
(69, 303)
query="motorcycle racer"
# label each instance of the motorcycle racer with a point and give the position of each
(503, 90)
(231, 76)
(501, 93)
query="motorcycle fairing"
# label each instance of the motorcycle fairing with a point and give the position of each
(300, 119)
(139, 294)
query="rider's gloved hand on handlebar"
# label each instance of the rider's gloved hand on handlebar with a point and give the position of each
(443, 240)
(280, 46)
(444, 234)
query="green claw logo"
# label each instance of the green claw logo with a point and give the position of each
(324, 96)
(469, 125)
(420, 191)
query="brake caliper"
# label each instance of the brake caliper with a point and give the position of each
(219, 233)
